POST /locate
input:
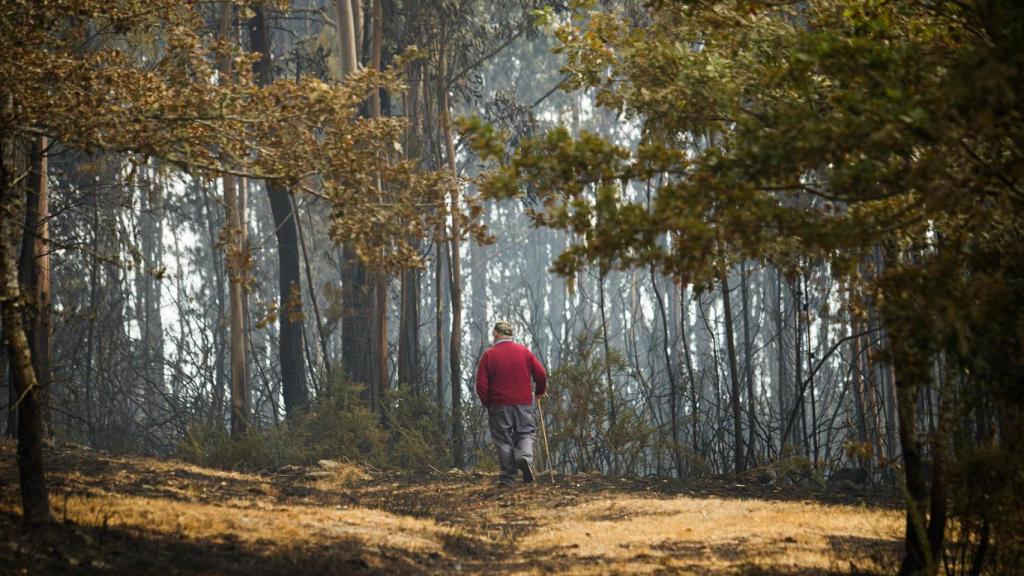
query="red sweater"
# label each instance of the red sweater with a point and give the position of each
(503, 375)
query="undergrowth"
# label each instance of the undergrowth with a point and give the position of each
(337, 426)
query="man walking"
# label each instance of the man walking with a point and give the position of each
(503, 383)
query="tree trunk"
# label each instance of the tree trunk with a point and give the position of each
(380, 324)
(10, 413)
(609, 382)
(408, 329)
(321, 330)
(36, 263)
(357, 295)
(734, 375)
(90, 354)
(455, 347)
(780, 348)
(805, 307)
(673, 392)
(239, 386)
(290, 317)
(439, 253)
(748, 367)
(235, 259)
(408, 319)
(347, 36)
(479, 329)
(147, 289)
(859, 393)
(917, 556)
(798, 402)
(34, 494)
(358, 28)
(684, 307)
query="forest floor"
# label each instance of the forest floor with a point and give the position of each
(131, 515)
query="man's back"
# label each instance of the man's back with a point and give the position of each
(505, 375)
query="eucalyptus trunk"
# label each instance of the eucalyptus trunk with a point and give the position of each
(290, 316)
(234, 225)
(739, 452)
(455, 346)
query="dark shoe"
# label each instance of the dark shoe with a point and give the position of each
(524, 467)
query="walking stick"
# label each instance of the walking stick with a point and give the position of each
(544, 433)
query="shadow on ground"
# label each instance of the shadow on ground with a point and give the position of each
(434, 524)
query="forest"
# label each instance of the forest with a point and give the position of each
(769, 253)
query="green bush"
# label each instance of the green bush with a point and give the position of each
(337, 425)
(417, 432)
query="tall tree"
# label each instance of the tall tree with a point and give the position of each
(13, 304)
(455, 238)
(290, 316)
(34, 267)
(380, 323)
(237, 259)
(357, 289)
(739, 452)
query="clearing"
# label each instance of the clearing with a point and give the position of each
(145, 516)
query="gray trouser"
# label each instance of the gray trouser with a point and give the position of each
(512, 429)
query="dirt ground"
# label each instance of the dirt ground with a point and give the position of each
(120, 515)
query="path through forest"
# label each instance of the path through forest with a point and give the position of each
(147, 516)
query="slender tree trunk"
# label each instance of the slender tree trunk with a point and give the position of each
(143, 287)
(154, 299)
(609, 382)
(673, 392)
(320, 328)
(860, 393)
(408, 329)
(917, 553)
(235, 272)
(219, 335)
(347, 35)
(37, 263)
(478, 330)
(408, 319)
(780, 347)
(358, 26)
(290, 317)
(357, 296)
(810, 374)
(455, 347)
(684, 307)
(940, 482)
(380, 323)
(10, 412)
(235, 260)
(94, 279)
(748, 366)
(797, 366)
(34, 494)
(243, 242)
(439, 253)
(734, 375)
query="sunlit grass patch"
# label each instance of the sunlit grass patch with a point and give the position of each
(721, 534)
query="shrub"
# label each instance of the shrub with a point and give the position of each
(337, 425)
(579, 409)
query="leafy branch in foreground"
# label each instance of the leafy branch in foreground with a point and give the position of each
(142, 77)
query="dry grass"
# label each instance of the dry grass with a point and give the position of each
(135, 515)
(711, 534)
